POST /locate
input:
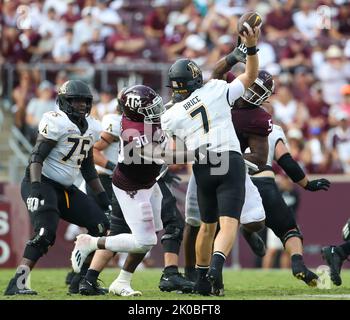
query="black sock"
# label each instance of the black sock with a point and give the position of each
(217, 261)
(84, 269)
(92, 275)
(189, 270)
(297, 258)
(346, 248)
(202, 271)
(170, 270)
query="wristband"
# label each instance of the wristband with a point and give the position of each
(110, 165)
(251, 51)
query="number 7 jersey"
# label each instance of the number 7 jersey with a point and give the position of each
(205, 118)
(63, 163)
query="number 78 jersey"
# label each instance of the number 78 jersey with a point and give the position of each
(64, 161)
(204, 118)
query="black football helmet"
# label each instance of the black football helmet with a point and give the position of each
(184, 77)
(260, 90)
(75, 90)
(141, 104)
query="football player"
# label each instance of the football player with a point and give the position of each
(62, 150)
(253, 125)
(134, 185)
(336, 255)
(201, 116)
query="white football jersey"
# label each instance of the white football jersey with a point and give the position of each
(275, 135)
(205, 117)
(63, 163)
(111, 123)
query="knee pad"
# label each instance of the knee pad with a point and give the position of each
(39, 244)
(292, 233)
(171, 239)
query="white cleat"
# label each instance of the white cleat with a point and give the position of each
(84, 245)
(123, 289)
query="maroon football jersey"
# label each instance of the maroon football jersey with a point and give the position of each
(138, 173)
(251, 121)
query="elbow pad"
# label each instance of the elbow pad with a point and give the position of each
(291, 167)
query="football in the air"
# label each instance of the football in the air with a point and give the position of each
(253, 19)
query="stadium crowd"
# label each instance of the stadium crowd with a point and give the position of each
(304, 44)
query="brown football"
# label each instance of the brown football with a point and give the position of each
(253, 19)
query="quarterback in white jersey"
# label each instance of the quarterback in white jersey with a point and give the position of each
(201, 116)
(63, 149)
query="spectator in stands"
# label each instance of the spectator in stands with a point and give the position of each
(315, 156)
(60, 79)
(9, 14)
(124, 46)
(341, 23)
(64, 47)
(52, 24)
(287, 110)
(107, 104)
(301, 84)
(306, 20)
(196, 49)
(279, 23)
(83, 61)
(333, 74)
(72, 14)
(97, 46)
(175, 36)
(225, 46)
(338, 142)
(107, 17)
(295, 54)
(318, 109)
(21, 96)
(37, 107)
(157, 20)
(84, 28)
(295, 143)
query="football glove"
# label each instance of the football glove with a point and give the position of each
(35, 199)
(318, 184)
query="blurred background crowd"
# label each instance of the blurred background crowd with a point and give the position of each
(304, 44)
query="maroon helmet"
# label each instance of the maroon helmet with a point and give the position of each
(141, 104)
(260, 90)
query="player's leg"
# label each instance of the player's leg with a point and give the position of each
(282, 222)
(44, 221)
(193, 222)
(273, 244)
(253, 218)
(230, 196)
(82, 210)
(173, 223)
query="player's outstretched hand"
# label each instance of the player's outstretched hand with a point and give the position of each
(318, 184)
(251, 37)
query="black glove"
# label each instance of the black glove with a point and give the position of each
(318, 184)
(171, 178)
(35, 199)
(103, 201)
(240, 52)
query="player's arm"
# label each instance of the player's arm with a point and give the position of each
(259, 150)
(90, 175)
(295, 172)
(99, 146)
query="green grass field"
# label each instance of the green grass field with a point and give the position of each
(243, 284)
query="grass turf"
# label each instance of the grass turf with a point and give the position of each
(239, 285)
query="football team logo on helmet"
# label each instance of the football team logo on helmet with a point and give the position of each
(194, 69)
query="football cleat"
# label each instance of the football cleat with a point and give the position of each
(217, 285)
(83, 247)
(87, 288)
(301, 272)
(69, 277)
(255, 242)
(175, 282)
(202, 285)
(12, 289)
(123, 289)
(334, 256)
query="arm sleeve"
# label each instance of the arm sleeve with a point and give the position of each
(235, 90)
(291, 167)
(87, 168)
